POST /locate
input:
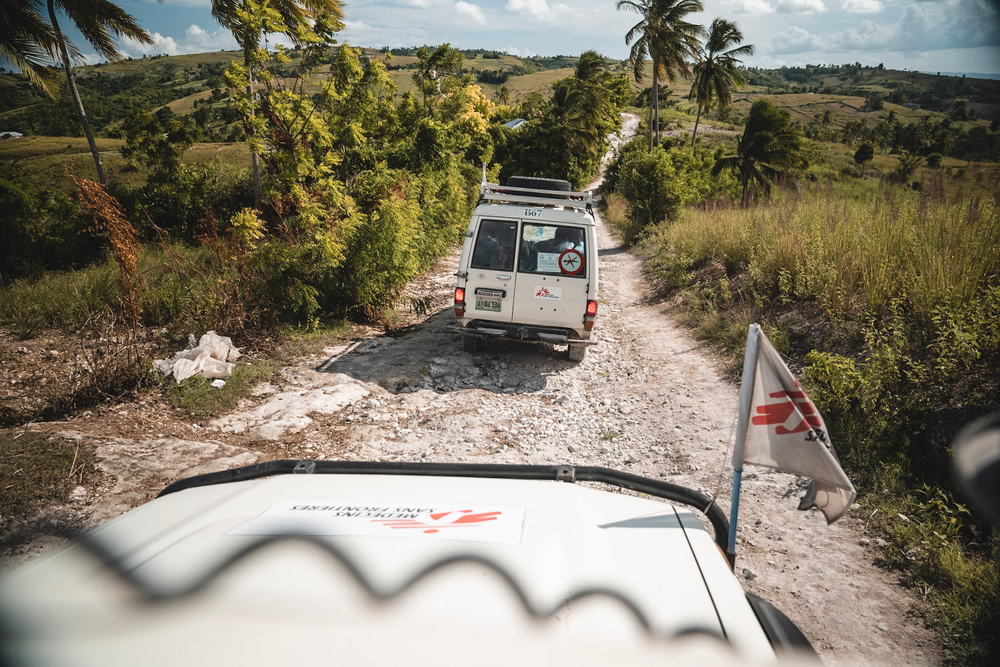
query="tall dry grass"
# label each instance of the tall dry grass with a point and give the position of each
(850, 249)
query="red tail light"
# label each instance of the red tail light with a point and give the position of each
(590, 315)
(459, 302)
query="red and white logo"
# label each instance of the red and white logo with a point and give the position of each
(432, 523)
(795, 414)
(500, 524)
(548, 293)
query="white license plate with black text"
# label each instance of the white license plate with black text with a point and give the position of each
(488, 303)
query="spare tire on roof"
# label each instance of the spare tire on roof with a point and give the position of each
(540, 183)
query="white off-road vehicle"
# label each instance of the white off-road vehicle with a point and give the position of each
(528, 269)
(383, 563)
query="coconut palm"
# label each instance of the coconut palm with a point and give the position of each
(769, 147)
(97, 21)
(503, 95)
(581, 102)
(233, 16)
(29, 43)
(667, 39)
(716, 72)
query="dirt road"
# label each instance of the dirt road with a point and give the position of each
(648, 399)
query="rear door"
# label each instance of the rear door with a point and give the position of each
(551, 288)
(489, 288)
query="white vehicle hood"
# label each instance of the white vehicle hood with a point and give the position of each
(528, 548)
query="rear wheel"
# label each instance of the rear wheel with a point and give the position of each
(470, 343)
(540, 183)
(576, 352)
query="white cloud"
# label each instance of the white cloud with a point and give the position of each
(418, 3)
(540, 10)
(520, 53)
(800, 6)
(755, 7)
(795, 40)
(921, 29)
(862, 6)
(195, 40)
(472, 11)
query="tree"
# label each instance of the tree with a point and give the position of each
(248, 20)
(865, 153)
(716, 73)
(581, 104)
(827, 118)
(503, 95)
(667, 39)
(96, 20)
(769, 147)
(874, 102)
(29, 43)
(908, 163)
(432, 66)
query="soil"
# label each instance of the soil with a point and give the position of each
(648, 399)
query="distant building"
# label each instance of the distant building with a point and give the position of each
(515, 124)
(10, 135)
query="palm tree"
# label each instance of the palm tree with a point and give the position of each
(503, 95)
(233, 16)
(769, 146)
(28, 42)
(667, 39)
(96, 20)
(581, 102)
(716, 73)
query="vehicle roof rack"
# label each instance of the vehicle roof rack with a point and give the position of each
(511, 195)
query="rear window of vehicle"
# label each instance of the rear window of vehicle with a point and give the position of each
(495, 245)
(558, 250)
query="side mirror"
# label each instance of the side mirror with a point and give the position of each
(977, 464)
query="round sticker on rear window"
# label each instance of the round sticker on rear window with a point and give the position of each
(571, 261)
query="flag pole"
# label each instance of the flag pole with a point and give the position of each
(742, 422)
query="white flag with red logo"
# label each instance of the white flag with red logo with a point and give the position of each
(784, 431)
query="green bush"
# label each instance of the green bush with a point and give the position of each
(656, 184)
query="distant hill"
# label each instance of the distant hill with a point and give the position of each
(194, 85)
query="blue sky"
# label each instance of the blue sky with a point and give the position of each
(928, 35)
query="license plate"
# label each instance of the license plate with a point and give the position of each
(492, 305)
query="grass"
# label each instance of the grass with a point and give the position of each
(71, 299)
(888, 300)
(199, 398)
(36, 470)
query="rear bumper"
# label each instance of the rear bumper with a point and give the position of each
(524, 332)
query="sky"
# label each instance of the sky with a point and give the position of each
(924, 35)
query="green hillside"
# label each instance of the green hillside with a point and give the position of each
(824, 101)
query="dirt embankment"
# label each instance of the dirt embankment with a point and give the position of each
(648, 399)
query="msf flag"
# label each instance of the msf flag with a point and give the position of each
(780, 428)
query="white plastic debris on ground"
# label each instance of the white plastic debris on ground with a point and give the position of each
(213, 357)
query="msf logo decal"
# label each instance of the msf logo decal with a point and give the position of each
(548, 293)
(795, 414)
(433, 523)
